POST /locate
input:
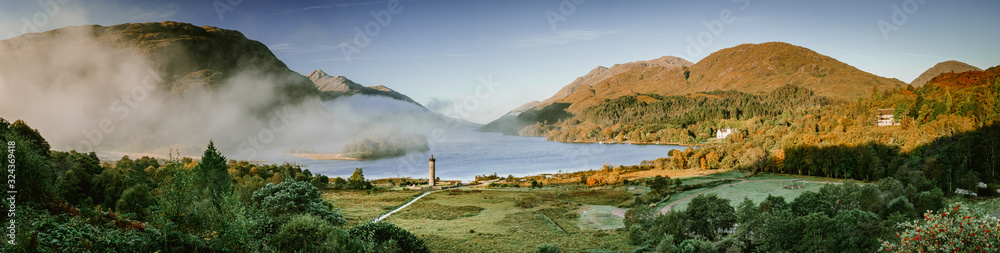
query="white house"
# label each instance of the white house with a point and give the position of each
(884, 118)
(722, 133)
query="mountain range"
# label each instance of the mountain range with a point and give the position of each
(332, 87)
(153, 87)
(751, 68)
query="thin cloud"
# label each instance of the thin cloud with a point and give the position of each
(326, 6)
(452, 55)
(307, 49)
(559, 38)
(282, 47)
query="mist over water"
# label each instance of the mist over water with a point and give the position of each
(463, 154)
(88, 91)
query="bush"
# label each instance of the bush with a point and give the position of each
(696, 246)
(307, 233)
(548, 248)
(295, 197)
(383, 237)
(952, 230)
(135, 200)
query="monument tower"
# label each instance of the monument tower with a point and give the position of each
(431, 182)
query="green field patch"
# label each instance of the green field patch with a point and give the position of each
(435, 211)
(697, 180)
(503, 227)
(730, 174)
(359, 206)
(599, 217)
(677, 196)
(766, 176)
(524, 222)
(637, 189)
(548, 221)
(597, 197)
(756, 191)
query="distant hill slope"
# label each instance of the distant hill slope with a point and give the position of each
(331, 87)
(966, 79)
(184, 55)
(941, 68)
(750, 68)
(150, 85)
(756, 68)
(652, 76)
(171, 87)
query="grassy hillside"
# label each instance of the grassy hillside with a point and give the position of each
(754, 69)
(764, 67)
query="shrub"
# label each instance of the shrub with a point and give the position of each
(695, 246)
(548, 248)
(135, 200)
(295, 197)
(382, 236)
(307, 233)
(952, 230)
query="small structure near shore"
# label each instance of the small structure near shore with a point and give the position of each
(431, 182)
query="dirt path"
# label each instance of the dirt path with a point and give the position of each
(380, 218)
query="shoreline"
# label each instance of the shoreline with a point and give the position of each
(325, 156)
(632, 143)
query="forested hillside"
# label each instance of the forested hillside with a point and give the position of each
(755, 69)
(945, 149)
(73, 202)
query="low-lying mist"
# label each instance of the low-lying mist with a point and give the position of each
(94, 89)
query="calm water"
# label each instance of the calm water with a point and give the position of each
(463, 154)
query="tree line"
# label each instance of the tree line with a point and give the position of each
(371, 146)
(71, 201)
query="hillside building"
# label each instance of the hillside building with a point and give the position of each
(722, 133)
(884, 117)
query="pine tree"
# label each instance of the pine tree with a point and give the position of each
(214, 172)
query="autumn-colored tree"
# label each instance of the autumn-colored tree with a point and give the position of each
(955, 229)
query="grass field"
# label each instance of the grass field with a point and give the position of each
(730, 174)
(575, 217)
(697, 180)
(511, 221)
(756, 191)
(358, 206)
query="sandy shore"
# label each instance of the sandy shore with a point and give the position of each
(116, 155)
(321, 156)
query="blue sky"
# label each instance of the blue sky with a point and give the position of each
(440, 52)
